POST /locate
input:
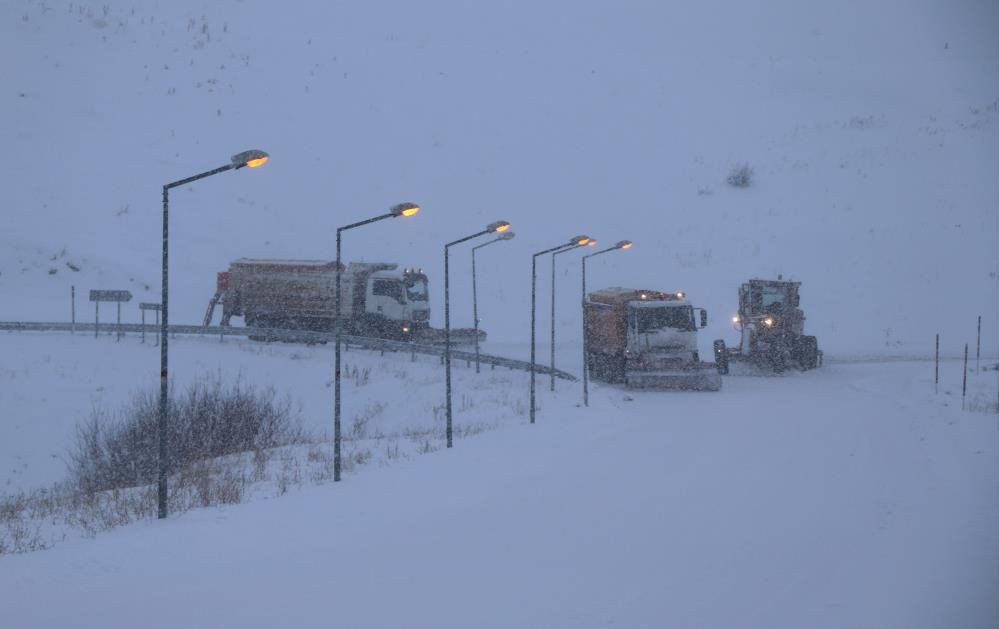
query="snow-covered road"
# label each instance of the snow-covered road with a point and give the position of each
(849, 496)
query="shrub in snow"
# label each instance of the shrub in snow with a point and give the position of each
(210, 420)
(740, 176)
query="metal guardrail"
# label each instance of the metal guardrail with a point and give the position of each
(277, 334)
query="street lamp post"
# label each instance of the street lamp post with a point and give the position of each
(251, 158)
(475, 299)
(589, 243)
(493, 228)
(574, 242)
(624, 244)
(402, 209)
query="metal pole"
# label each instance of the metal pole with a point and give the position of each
(555, 253)
(72, 303)
(447, 344)
(163, 463)
(157, 324)
(336, 369)
(475, 310)
(936, 368)
(964, 383)
(534, 302)
(586, 345)
(339, 325)
(553, 325)
(97, 316)
(447, 328)
(534, 280)
(586, 393)
(978, 347)
(161, 488)
(475, 300)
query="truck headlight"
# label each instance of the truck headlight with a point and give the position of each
(769, 322)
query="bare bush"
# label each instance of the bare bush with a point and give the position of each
(359, 426)
(17, 533)
(208, 421)
(741, 176)
(228, 442)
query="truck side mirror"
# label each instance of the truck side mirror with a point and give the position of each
(704, 317)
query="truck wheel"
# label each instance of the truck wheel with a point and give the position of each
(809, 352)
(721, 357)
(253, 322)
(619, 369)
(778, 359)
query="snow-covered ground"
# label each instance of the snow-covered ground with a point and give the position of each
(52, 382)
(849, 496)
(852, 496)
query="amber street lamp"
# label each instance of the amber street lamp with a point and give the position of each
(492, 228)
(402, 209)
(574, 242)
(475, 299)
(624, 244)
(589, 243)
(251, 158)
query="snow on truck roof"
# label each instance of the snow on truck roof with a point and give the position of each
(374, 269)
(781, 282)
(634, 296)
(318, 264)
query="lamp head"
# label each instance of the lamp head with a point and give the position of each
(506, 236)
(624, 244)
(579, 240)
(591, 243)
(498, 227)
(405, 209)
(251, 158)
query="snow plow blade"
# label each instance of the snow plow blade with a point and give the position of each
(699, 380)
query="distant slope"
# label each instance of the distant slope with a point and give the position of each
(871, 132)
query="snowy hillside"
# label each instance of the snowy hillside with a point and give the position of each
(871, 132)
(860, 494)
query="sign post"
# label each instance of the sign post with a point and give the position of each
(143, 307)
(115, 296)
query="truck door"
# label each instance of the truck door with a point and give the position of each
(388, 298)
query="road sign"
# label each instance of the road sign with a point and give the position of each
(148, 306)
(118, 296)
(110, 295)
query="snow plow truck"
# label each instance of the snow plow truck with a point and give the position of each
(377, 299)
(772, 329)
(646, 339)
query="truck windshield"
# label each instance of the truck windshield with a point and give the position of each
(771, 296)
(388, 288)
(651, 319)
(416, 288)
